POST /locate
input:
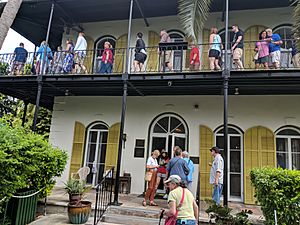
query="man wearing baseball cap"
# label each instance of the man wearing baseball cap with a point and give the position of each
(216, 174)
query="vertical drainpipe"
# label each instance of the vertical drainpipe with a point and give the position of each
(40, 76)
(124, 78)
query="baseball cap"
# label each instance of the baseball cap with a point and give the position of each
(174, 179)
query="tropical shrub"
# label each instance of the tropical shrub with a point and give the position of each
(4, 68)
(27, 161)
(278, 189)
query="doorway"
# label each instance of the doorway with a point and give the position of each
(235, 162)
(167, 131)
(95, 152)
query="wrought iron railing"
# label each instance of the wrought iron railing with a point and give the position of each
(92, 61)
(104, 192)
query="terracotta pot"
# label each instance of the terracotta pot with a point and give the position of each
(75, 197)
(79, 212)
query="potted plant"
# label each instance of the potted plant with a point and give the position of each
(78, 210)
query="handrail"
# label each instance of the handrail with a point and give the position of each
(91, 61)
(104, 190)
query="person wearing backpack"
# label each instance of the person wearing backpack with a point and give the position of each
(191, 166)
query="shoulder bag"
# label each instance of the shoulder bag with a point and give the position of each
(172, 219)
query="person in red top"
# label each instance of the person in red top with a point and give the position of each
(194, 58)
(162, 170)
(107, 59)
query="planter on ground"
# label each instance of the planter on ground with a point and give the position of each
(79, 212)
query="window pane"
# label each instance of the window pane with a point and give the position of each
(158, 143)
(158, 129)
(296, 145)
(281, 144)
(230, 131)
(282, 160)
(180, 142)
(164, 123)
(93, 136)
(288, 132)
(235, 185)
(235, 143)
(103, 137)
(296, 161)
(174, 123)
(179, 130)
(91, 152)
(235, 161)
(99, 126)
(139, 143)
(220, 142)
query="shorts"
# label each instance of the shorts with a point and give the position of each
(140, 57)
(262, 60)
(237, 54)
(167, 55)
(18, 66)
(213, 53)
(275, 56)
(162, 175)
(79, 57)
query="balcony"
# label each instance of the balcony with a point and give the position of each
(153, 79)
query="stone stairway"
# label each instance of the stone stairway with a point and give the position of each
(131, 216)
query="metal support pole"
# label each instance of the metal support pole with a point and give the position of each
(39, 78)
(124, 77)
(47, 38)
(226, 75)
(24, 113)
(37, 105)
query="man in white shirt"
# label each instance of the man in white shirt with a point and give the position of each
(80, 53)
(217, 174)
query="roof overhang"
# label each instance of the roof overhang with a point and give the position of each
(32, 18)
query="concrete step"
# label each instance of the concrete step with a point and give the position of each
(138, 212)
(128, 220)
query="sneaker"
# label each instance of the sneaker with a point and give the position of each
(165, 196)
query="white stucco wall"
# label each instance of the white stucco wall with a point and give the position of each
(245, 18)
(244, 112)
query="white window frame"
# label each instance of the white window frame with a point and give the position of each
(289, 139)
(241, 135)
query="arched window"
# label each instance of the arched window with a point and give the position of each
(99, 47)
(288, 148)
(95, 151)
(167, 131)
(285, 32)
(177, 36)
(235, 160)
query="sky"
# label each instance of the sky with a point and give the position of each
(12, 40)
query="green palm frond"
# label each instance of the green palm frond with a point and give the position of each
(296, 18)
(192, 15)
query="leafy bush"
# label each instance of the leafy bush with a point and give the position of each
(278, 189)
(4, 68)
(222, 215)
(27, 162)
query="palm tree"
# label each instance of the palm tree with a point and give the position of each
(192, 15)
(7, 18)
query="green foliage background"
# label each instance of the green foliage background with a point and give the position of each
(278, 189)
(27, 161)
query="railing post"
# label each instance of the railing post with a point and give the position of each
(111, 184)
(96, 205)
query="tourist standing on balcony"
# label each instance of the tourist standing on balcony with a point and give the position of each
(43, 60)
(194, 57)
(68, 64)
(106, 59)
(20, 57)
(216, 174)
(165, 56)
(80, 53)
(58, 61)
(140, 53)
(152, 167)
(181, 202)
(191, 166)
(295, 52)
(274, 47)
(215, 46)
(177, 166)
(262, 51)
(237, 47)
